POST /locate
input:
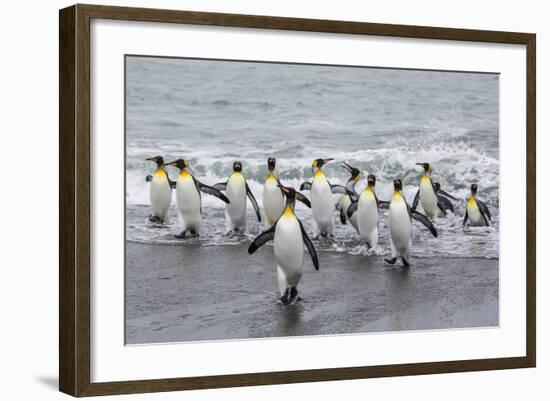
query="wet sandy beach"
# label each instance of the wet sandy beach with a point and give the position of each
(195, 293)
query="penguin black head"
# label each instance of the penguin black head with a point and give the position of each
(271, 163)
(426, 166)
(179, 163)
(397, 185)
(157, 159)
(237, 167)
(318, 163)
(371, 180)
(354, 172)
(474, 189)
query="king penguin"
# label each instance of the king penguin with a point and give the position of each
(427, 194)
(188, 197)
(160, 191)
(366, 212)
(237, 189)
(321, 198)
(289, 238)
(400, 222)
(476, 211)
(351, 196)
(273, 198)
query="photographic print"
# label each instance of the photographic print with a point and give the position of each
(276, 199)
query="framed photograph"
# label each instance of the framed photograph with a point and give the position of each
(250, 200)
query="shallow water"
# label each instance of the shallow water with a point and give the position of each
(381, 121)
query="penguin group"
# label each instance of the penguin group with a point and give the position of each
(282, 226)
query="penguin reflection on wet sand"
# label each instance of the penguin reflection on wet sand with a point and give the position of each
(289, 237)
(160, 191)
(351, 196)
(366, 211)
(188, 197)
(400, 222)
(237, 190)
(477, 211)
(321, 198)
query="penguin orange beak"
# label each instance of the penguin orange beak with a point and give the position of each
(347, 166)
(170, 164)
(325, 161)
(283, 188)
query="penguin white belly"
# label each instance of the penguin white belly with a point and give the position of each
(476, 218)
(189, 203)
(400, 227)
(273, 201)
(235, 211)
(344, 203)
(428, 198)
(321, 204)
(289, 249)
(367, 217)
(160, 194)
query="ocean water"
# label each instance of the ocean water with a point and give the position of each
(381, 121)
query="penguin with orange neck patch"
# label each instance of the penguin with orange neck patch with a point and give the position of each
(160, 191)
(289, 237)
(321, 198)
(237, 190)
(188, 197)
(477, 212)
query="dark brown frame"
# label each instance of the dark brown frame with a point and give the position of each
(74, 199)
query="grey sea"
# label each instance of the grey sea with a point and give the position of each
(381, 121)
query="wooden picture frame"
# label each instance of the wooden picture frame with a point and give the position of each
(74, 199)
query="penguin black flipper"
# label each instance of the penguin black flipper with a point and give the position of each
(342, 216)
(254, 203)
(465, 217)
(383, 204)
(302, 198)
(352, 208)
(220, 186)
(211, 191)
(424, 220)
(484, 210)
(444, 204)
(261, 239)
(352, 195)
(309, 246)
(416, 200)
(305, 186)
(447, 195)
(339, 189)
(172, 184)
(149, 178)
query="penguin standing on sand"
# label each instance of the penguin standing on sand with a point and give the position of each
(188, 197)
(321, 198)
(400, 222)
(477, 212)
(366, 212)
(237, 189)
(427, 195)
(289, 238)
(273, 198)
(351, 196)
(160, 191)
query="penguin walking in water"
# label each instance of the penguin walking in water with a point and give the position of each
(188, 197)
(321, 198)
(433, 205)
(366, 211)
(237, 189)
(400, 222)
(289, 238)
(273, 197)
(160, 191)
(477, 211)
(351, 196)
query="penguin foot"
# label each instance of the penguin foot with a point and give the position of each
(293, 296)
(405, 262)
(181, 235)
(285, 297)
(155, 219)
(194, 233)
(391, 261)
